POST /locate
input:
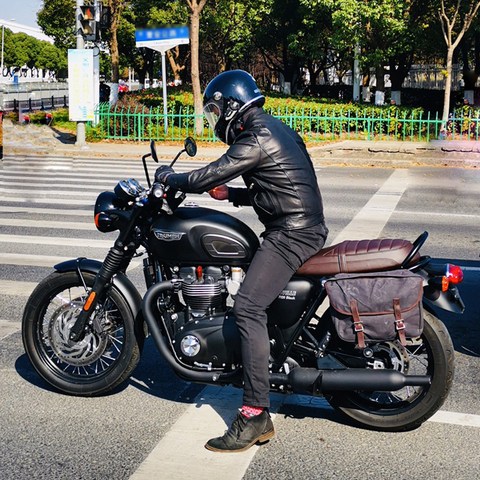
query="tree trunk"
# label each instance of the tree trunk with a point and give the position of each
(380, 92)
(176, 67)
(116, 9)
(196, 8)
(115, 69)
(448, 89)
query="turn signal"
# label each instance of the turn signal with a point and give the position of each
(453, 274)
(89, 301)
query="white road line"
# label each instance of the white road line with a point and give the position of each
(369, 222)
(49, 201)
(46, 211)
(63, 241)
(204, 201)
(24, 259)
(7, 328)
(51, 184)
(438, 214)
(454, 418)
(50, 224)
(49, 192)
(22, 289)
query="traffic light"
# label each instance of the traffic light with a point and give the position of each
(89, 22)
(105, 17)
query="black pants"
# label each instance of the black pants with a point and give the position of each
(278, 258)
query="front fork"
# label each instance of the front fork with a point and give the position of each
(109, 268)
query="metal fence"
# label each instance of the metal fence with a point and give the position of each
(140, 123)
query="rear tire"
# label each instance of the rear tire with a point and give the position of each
(432, 354)
(94, 365)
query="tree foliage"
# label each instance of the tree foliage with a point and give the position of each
(22, 50)
(57, 20)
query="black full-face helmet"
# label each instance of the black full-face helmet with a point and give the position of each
(226, 98)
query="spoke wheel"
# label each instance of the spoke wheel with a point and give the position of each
(407, 408)
(105, 356)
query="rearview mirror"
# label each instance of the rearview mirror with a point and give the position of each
(190, 146)
(153, 149)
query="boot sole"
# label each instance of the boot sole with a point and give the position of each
(261, 439)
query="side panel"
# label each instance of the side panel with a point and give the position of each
(285, 311)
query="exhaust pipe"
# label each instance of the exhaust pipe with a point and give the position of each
(317, 382)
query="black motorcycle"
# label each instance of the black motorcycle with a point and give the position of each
(84, 326)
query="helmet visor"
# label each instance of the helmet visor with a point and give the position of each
(213, 114)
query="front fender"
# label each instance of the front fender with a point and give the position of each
(120, 280)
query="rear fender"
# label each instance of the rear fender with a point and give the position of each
(433, 295)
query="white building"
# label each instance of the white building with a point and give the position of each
(19, 28)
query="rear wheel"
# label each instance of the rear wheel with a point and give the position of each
(431, 354)
(97, 363)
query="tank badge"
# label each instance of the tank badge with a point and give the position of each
(168, 236)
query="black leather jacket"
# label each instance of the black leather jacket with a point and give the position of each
(277, 170)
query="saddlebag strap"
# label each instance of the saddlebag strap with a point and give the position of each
(357, 324)
(399, 323)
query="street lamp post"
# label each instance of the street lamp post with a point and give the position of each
(3, 38)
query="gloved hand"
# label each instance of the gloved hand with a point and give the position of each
(162, 173)
(219, 193)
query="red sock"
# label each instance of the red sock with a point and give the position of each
(250, 412)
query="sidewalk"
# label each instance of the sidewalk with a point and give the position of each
(45, 140)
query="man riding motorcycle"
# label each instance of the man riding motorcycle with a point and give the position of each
(282, 188)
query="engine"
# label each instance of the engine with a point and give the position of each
(205, 332)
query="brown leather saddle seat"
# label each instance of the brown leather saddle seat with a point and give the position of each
(354, 256)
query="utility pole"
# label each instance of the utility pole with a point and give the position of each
(80, 45)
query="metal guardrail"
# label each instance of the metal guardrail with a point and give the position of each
(33, 95)
(127, 123)
(37, 104)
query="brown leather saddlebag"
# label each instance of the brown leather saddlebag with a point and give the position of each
(381, 306)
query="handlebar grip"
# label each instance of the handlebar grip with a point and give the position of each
(158, 190)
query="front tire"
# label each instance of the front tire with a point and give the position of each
(94, 365)
(432, 354)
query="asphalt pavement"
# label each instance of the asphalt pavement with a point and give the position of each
(155, 426)
(450, 153)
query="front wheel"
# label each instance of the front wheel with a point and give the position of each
(431, 354)
(102, 359)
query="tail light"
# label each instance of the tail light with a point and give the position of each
(453, 275)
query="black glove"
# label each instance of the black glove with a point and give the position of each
(162, 173)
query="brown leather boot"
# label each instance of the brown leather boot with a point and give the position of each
(243, 433)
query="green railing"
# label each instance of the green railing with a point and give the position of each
(140, 123)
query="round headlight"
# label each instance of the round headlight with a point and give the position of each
(105, 206)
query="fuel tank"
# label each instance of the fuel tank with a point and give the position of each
(198, 235)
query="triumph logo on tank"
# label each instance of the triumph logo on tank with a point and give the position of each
(168, 236)
(288, 295)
